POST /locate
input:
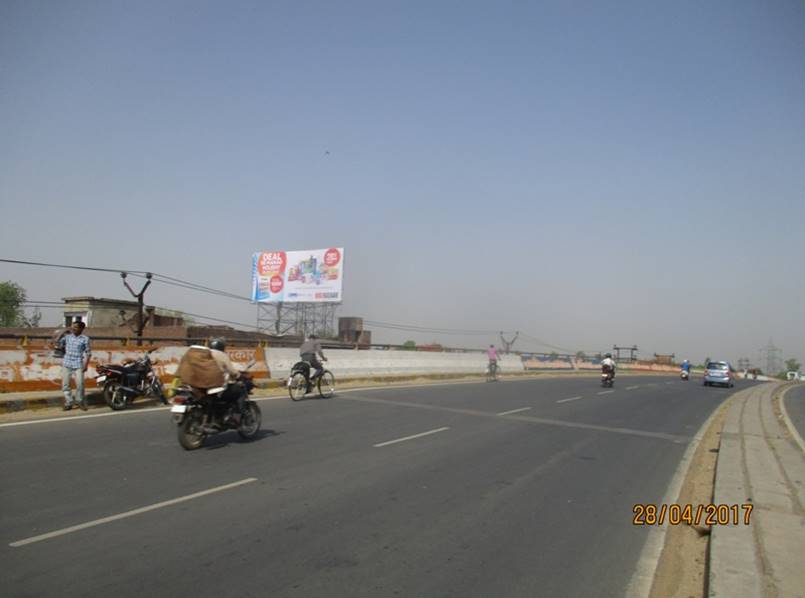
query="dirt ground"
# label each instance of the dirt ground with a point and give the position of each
(683, 566)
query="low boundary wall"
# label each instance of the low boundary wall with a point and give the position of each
(347, 363)
(36, 369)
(29, 369)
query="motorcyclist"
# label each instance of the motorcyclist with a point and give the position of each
(608, 365)
(686, 366)
(308, 352)
(232, 374)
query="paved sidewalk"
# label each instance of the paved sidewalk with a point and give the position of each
(760, 465)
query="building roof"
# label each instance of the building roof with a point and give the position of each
(98, 300)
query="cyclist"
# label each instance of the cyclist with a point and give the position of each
(308, 351)
(492, 356)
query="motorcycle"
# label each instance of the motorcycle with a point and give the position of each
(123, 383)
(198, 414)
(299, 382)
(607, 377)
(684, 375)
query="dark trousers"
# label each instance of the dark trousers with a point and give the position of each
(314, 363)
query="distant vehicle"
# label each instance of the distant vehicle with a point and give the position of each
(794, 376)
(718, 372)
(607, 376)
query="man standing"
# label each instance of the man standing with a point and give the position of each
(77, 351)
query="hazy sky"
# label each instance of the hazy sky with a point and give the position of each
(589, 173)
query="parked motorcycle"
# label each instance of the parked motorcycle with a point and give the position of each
(607, 377)
(123, 383)
(198, 414)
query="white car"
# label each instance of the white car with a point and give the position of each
(794, 376)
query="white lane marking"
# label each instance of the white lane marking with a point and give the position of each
(70, 418)
(605, 392)
(159, 505)
(514, 411)
(568, 400)
(410, 437)
(632, 387)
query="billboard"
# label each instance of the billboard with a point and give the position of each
(311, 276)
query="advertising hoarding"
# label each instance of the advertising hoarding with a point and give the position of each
(309, 276)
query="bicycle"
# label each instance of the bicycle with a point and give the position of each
(492, 372)
(300, 384)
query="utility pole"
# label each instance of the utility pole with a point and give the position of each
(139, 297)
(507, 345)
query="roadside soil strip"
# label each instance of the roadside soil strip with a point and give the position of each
(428, 433)
(673, 563)
(159, 505)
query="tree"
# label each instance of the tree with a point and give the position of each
(409, 345)
(792, 365)
(580, 356)
(12, 296)
(554, 356)
(12, 312)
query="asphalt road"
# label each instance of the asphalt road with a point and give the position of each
(795, 406)
(516, 488)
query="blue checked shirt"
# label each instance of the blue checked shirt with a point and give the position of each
(75, 348)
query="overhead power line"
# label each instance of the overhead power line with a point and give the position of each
(430, 329)
(70, 267)
(163, 278)
(180, 283)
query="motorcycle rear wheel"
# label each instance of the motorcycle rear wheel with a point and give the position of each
(189, 432)
(297, 386)
(118, 400)
(250, 420)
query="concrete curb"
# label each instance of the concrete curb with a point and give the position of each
(760, 467)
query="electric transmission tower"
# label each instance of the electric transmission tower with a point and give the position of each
(773, 362)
